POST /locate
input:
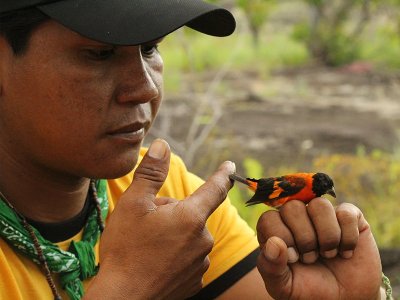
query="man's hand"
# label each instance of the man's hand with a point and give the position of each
(156, 248)
(318, 252)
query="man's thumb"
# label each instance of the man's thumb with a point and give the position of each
(150, 173)
(272, 265)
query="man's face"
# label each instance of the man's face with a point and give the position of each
(76, 106)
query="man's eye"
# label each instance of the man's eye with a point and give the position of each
(101, 54)
(149, 49)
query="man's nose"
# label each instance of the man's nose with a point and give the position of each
(140, 82)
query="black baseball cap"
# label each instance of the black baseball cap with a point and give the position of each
(130, 22)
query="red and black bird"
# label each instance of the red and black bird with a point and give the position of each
(276, 191)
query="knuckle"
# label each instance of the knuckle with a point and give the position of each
(262, 222)
(265, 222)
(270, 224)
(192, 222)
(345, 217)
(207, 241)
(293, 212)
(294, 205)
(348, 243)
(330, 240)
(206, 264)
(319, 206)
(292, 208)
(154, 172)
(306, 244)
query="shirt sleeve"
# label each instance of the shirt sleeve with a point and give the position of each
(226, 280)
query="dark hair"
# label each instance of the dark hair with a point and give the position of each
(17, 27)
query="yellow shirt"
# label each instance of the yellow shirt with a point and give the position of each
(20, 278)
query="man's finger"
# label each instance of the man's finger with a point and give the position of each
(270, 224)
(213, 192)
(150, 175)
(294, 214)
(322, 213)
(352, 222)
(272, 265)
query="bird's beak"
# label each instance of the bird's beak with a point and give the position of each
(331, 192)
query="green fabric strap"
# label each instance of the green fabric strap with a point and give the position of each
(74, 265)
(387, 286)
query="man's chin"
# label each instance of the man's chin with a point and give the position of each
(114, 168)
(122, 170)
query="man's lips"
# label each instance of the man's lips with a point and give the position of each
(131, 131)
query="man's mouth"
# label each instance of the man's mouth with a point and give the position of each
(132, 132)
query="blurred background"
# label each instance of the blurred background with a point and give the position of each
(303, 85)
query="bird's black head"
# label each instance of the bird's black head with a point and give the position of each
(322, 185)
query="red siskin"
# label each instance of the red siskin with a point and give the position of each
(276, 191)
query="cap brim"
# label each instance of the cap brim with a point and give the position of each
(133, 22)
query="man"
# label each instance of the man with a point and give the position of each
(80, 85)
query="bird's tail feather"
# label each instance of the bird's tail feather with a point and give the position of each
(239, 178)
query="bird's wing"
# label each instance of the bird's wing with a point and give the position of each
(265, 186)
(286, 186)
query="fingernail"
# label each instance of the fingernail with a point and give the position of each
(158, 149)
(230, 166)
(330, 253)
(293, 256)
(271, 250)
(309, 257)
(347, 254)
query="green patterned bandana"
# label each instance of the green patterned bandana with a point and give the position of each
(74, 265)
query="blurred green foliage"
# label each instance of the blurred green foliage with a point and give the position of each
(370, 181)
(332, 32)
(185, 52)
(331, 47)
(257, 12)
(383, 47)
